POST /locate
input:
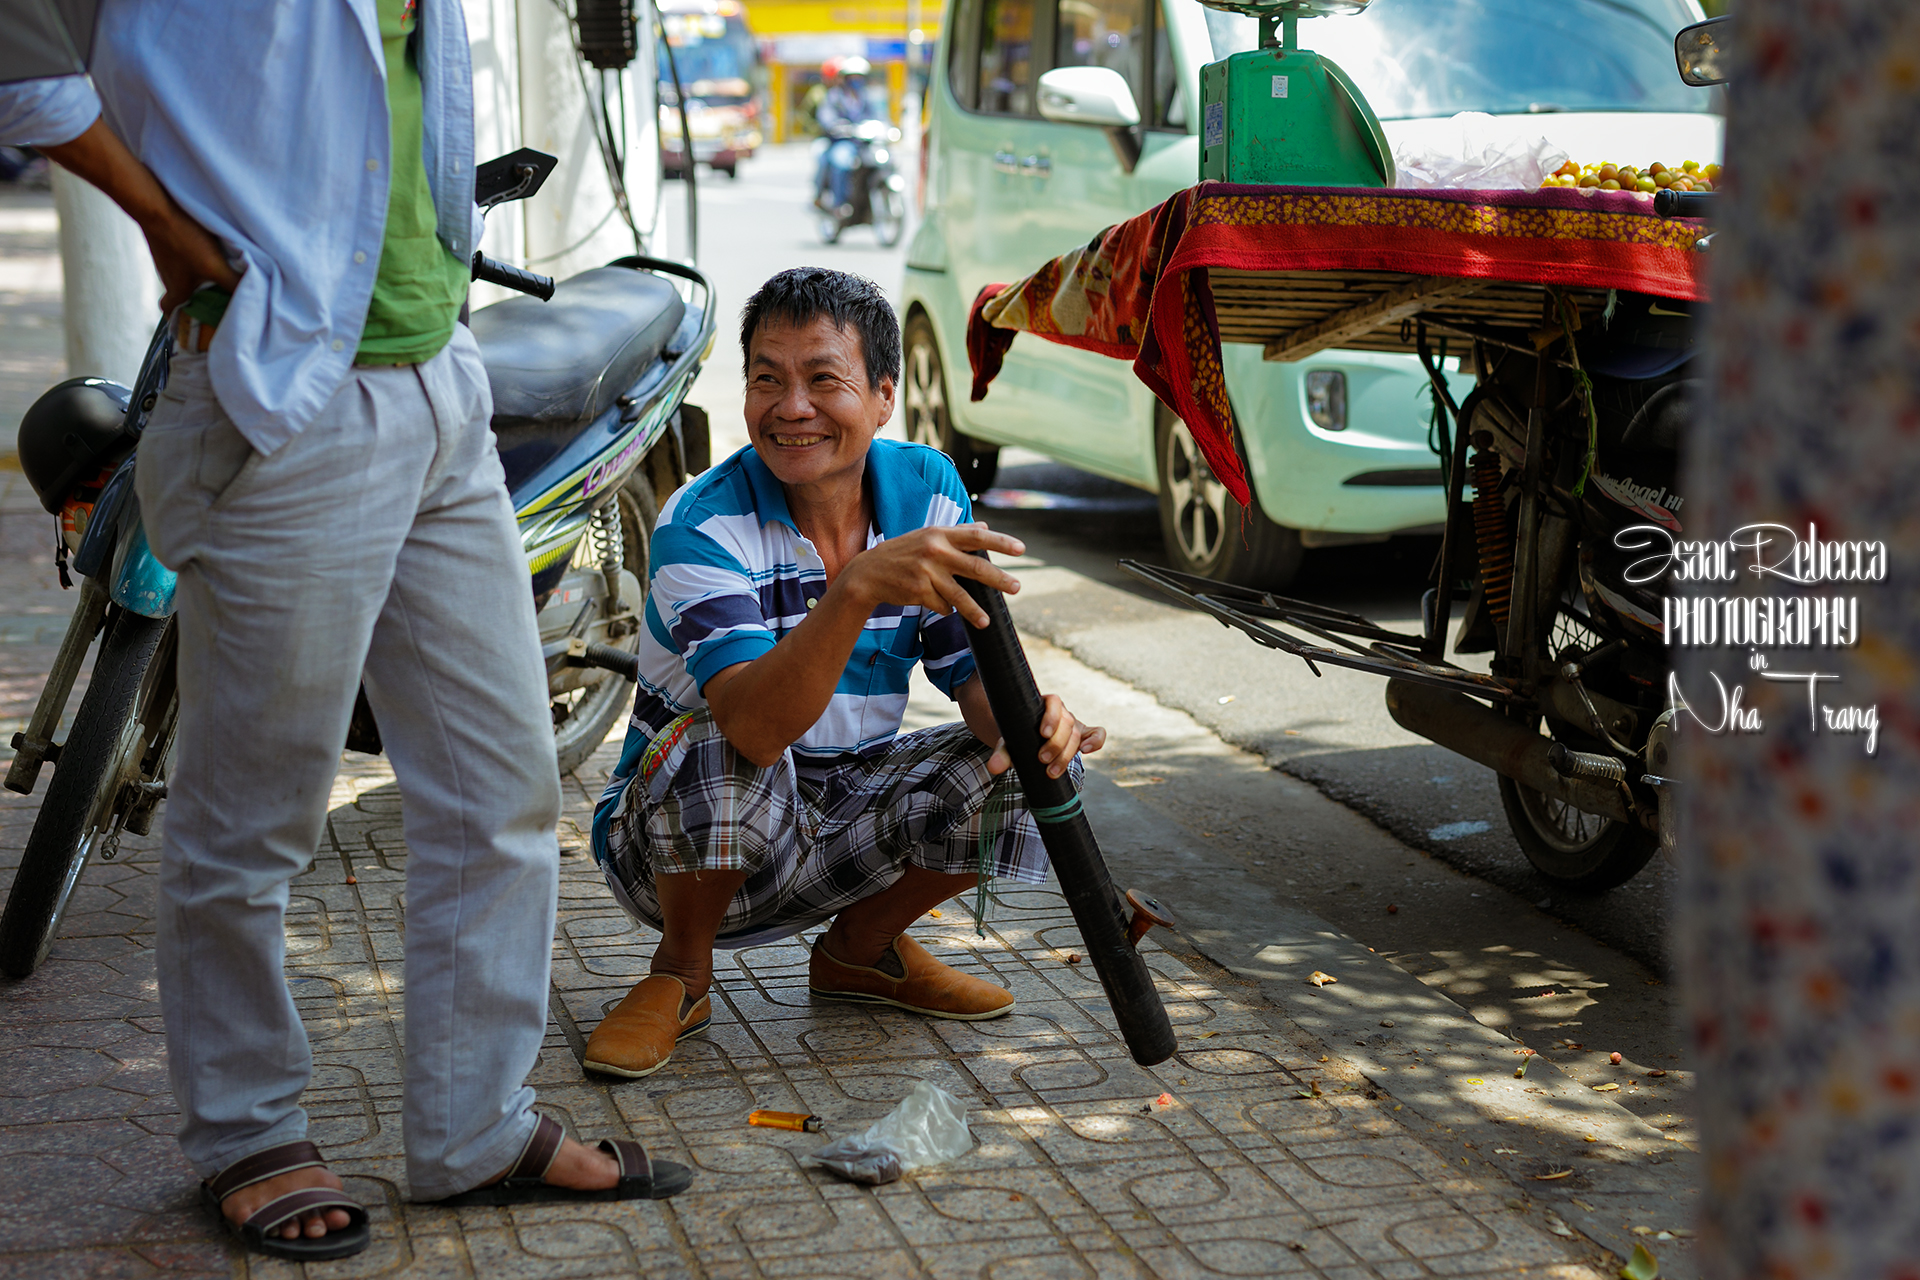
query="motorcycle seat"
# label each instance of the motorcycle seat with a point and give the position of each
(564, 362)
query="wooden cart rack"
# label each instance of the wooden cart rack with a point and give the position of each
(1293, 314)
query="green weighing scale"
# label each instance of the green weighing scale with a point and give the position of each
(1283, 115)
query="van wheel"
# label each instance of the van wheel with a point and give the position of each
(928, 421)
(1205, 531)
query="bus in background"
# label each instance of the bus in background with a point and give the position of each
(724, 80)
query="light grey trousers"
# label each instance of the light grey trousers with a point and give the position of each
(380, 538)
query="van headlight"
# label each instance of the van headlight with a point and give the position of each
(1327, 399)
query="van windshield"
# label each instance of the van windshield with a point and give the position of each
(1415, 58)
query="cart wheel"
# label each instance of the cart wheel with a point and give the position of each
(1205, 531)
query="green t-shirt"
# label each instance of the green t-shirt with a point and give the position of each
(418, 292)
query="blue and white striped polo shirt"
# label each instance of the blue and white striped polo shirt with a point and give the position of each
(732, 574)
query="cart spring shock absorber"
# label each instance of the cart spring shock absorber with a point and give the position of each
(1492, 535)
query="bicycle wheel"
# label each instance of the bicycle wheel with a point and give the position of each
(124, 721)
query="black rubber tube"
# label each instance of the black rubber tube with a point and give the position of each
(1100, 912)
(1685, 204)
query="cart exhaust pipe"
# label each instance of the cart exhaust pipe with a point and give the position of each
(1109, 927)
(1508, 747)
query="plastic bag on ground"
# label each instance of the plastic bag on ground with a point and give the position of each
(1481, 153)
(927, 1128)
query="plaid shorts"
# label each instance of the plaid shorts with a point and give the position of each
(813, 842)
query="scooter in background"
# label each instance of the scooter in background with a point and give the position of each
(876, 193)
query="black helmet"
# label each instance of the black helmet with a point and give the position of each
(72, 431)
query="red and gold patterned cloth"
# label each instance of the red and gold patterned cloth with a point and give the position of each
(1139, 291)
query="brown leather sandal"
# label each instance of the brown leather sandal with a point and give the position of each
(259, 1232)
(641, 1176)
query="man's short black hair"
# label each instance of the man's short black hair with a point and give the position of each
(800, 295)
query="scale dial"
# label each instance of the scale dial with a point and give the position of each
(1289, 8)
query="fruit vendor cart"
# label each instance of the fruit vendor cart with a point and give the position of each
(1575, 308)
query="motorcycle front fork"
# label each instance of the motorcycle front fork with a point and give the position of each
(35, 746)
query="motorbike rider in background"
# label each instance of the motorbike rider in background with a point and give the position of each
(844, 107)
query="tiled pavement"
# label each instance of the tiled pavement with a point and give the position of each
(1273, 1159)
(1078, 1171)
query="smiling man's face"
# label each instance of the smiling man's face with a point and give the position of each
(810, 413)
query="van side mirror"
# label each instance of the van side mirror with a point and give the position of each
(1097, 96)
(1088, 95)
(1703, 50)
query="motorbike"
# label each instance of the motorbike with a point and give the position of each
(1574, 475)
(589, 379)
(1574, 453)
(876, 192)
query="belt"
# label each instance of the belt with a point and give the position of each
(190, 334)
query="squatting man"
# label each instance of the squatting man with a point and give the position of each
(764, 786)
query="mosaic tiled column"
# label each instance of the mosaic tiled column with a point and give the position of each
(1801, 925)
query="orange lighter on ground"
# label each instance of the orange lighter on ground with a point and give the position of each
(793, 1120)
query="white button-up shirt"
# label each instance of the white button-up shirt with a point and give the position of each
(268, 122)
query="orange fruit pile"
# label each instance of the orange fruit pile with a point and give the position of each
(1689, 175)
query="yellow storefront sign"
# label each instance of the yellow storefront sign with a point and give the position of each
(771, 18)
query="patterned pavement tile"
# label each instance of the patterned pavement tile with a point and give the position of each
(1253, 1170)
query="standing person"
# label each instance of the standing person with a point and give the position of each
(765, 786)
(843, 107)
(320, 472)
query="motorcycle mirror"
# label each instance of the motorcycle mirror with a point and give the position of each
(514, 176)
(1704, 52)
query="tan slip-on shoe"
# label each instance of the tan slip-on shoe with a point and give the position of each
(930, 987)
(637, 1038)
